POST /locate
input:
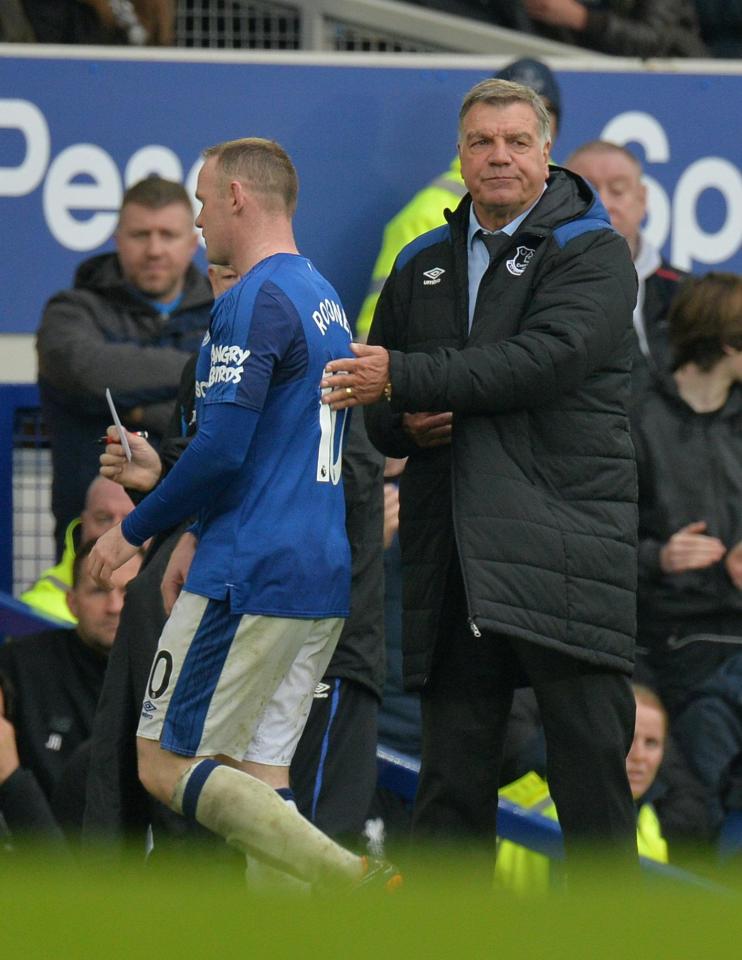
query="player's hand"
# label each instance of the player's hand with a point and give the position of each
(109, 553)
(9, 761)
(141, 472)
(428, 429)
(690, 549)
(733, 564)
(176, 571)
(349, 383)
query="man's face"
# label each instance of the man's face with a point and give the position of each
(98, 610)
(503, 163)
(214, 215)
(221, 278)
(647, 750)
(618, 182)
(155, 248)
(106, 504)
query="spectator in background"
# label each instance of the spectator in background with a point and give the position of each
(57, 675)
(687, 432)
(525, 872)
(425, 210)
(721, 26)
(24, 810)
(130, 323)
(616, 174)
(14, 24)
(500, 13)
(106, 504)
(158, 20)
(134, 22)
(625, 28)
(709, 732)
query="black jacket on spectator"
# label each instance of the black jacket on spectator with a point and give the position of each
(25, 814)
(57, 681)
(709, 731)
(721, 26)
(636, 28)
(690, 468)
(104, 334)
(497, 13)
(69, 21)
(537, 491)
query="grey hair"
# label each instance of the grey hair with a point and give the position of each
(499, 93)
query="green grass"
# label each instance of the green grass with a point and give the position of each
(193, 908)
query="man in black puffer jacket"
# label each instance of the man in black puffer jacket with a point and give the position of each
(505, 381)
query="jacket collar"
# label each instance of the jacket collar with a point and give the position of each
(567, 197)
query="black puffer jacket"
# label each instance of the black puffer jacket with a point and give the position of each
(538, 489)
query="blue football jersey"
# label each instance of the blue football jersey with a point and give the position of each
(273, 539)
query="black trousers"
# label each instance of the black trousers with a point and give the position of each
(333, 773)
(588, 715)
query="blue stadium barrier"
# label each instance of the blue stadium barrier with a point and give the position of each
(399, 773)
(18, 619)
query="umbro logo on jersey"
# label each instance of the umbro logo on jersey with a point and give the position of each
(520, 261)
(321, 691)
(434, 276)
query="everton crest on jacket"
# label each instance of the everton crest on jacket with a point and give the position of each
(537, 491)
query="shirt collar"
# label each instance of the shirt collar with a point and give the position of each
(509, 228)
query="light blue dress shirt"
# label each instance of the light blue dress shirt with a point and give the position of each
(478, 254)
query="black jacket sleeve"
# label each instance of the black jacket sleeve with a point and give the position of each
(79, 359)
(25, 809)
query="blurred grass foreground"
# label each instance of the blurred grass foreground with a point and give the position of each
(193, 906)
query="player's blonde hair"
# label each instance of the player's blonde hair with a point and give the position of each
(263, 165)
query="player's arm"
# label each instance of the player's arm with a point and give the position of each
(211, 460)
(231, 412)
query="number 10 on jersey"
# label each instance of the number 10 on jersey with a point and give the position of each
(330, 456)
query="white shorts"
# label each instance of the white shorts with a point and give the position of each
(234, 684)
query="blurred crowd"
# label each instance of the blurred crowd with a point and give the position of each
(628, 28)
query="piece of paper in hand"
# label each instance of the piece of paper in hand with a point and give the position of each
(122, 432)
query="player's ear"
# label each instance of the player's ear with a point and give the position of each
(72, 604)
(237, 194)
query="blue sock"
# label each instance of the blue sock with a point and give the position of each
(194, 785)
